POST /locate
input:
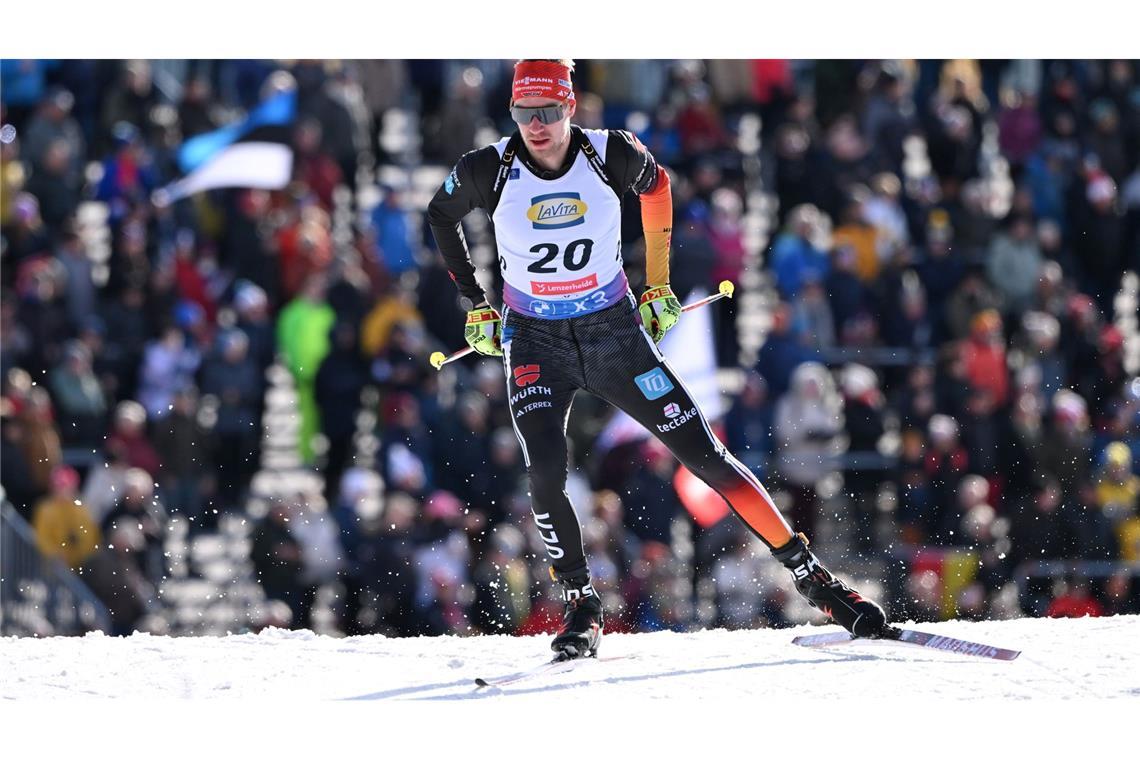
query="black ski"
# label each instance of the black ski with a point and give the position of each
(917, 638)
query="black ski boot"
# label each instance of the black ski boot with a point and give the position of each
(833, 597)
(582, 622)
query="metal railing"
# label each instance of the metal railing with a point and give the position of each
(876, 356)
(39, 597)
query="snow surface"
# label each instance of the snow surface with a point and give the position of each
(1089, 658)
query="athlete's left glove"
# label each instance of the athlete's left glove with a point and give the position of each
(659, 310)
(484, 331)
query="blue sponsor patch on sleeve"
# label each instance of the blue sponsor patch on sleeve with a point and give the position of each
(653, 384)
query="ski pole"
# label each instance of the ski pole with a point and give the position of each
(438, 359)
(724, 290)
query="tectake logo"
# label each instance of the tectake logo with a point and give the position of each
(677, 418)
(525, 374)
(556, 211)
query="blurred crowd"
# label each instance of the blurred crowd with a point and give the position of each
(944, 373)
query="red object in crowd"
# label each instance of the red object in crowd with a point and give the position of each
(730, 253)
(702, 502)
(138, 451)
(545, 617)
(1068, 606)
(986, 368)
(127, 172)
(957, 461)
(304, 249)
(64, 478)
(192, 287)
(321, 174)
(771, 77)
(700, 129)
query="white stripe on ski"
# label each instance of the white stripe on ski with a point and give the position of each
(915, 638)
(551, 666)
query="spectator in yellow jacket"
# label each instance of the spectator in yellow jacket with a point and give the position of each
(392, 308)
(1117, 489)
(64, 528)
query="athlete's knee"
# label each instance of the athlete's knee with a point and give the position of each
(547, 480)
(711, 466)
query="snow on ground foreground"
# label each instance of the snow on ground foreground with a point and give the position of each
(1090, 658)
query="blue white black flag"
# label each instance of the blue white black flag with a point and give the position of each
(255, 152)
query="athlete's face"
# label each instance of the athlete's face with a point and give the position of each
(547, 143)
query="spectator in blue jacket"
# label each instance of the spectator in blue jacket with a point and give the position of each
(393, 247)
(129, 174)
(782, 352)
(795, 256)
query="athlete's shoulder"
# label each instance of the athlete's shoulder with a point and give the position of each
(478, 161)
(599, 138)
(630, 161)
(466, 186)
(597, 135)
(626, 141)
(474, 172)
(498, 147)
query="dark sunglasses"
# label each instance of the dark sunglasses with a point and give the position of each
(546, 114)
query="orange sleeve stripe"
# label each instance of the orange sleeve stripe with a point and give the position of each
(657, 221)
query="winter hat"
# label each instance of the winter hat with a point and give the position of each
(942, 427)
(64, 478)
(1101, 189)
(442, 505)
(857, 380)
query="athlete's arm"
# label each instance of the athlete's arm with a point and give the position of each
(465, 188)
(634, 168)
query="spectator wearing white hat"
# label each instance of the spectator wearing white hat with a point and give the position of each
(863, 408)
(947, 462)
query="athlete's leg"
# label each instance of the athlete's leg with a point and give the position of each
(540, 393)
(626, 369)
(543, 374)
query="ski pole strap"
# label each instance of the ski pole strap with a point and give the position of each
(505, 162)
(596, 162)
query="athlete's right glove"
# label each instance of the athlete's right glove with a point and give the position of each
(659, 310)
(484, 331)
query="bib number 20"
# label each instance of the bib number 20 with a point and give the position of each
(575, 257)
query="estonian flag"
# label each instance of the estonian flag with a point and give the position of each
(255, 152)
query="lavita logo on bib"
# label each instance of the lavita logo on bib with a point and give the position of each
(556, 211)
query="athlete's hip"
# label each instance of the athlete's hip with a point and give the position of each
(623, 307)
(558, 300)
(595, 349)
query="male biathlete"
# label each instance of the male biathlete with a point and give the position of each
(553, 192)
